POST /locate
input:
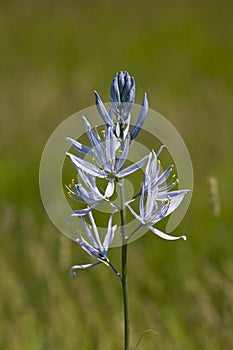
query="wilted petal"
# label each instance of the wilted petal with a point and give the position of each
(164, 235)
(81, 267)
(132, 168)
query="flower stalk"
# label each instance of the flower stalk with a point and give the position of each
(124, 280)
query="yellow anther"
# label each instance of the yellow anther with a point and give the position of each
(110, 161)
(69, 193)
(72, 181)
(159, 161)
(177, 181)
(174, 175)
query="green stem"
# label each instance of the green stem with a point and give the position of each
(124, 279)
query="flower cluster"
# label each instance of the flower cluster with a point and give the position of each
(105, 158)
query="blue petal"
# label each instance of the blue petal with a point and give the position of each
(124, 154)
(88, 232)
(110, 149)
(82, 212)
(121, 81)
(163, 177)
(102, 110)
(86, 166)
(98, 145)
(96, 233)
(82, 267)
(141, 119)
(78, 146)
(138, 217)
(171, 194)
(109, 235)
(164, 235)
(128, 90)
(130, 169)
(114, 91)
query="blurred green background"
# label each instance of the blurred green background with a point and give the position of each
(53, 55)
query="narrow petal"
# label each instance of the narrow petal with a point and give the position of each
(81, 267)
(141, 203)
(165, 235)
(114, 91)
(102, 110)
(88, 232)
(124, 154)
(163, 177)
(109, 235)
(150, 199)
(110, 149)
(135, 214)
(86, 166)
(160, 150)
(158, 215)
(171, 194)
(98, 145)
(132, 168)
(141, 119)
(82, 212)
(96, 233)
(79, 146)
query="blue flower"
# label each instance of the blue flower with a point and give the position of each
(156, 199)
(94, 247)
(108, 157)
(87, 192)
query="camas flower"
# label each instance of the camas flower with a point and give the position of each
(94, 247)
(87, 192)
(156, 201)
(106, 163)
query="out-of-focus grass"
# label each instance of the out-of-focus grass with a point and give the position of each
(51, 60)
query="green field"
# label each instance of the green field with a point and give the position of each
(52, 58)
